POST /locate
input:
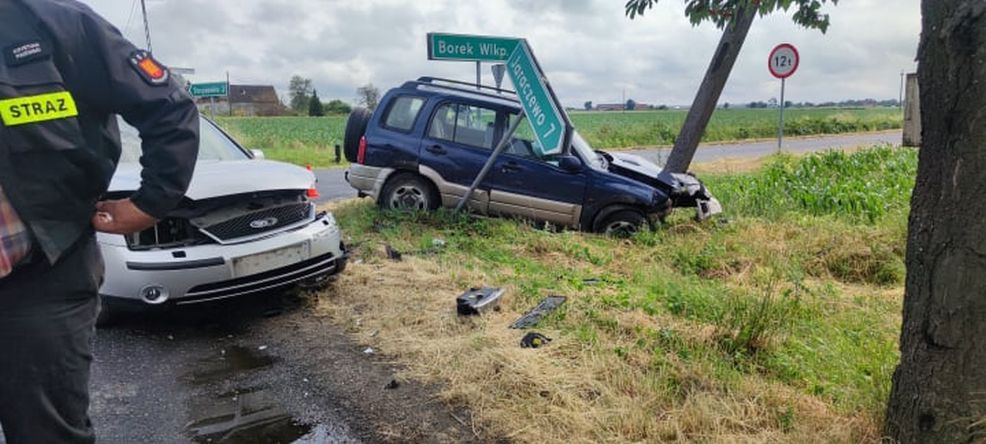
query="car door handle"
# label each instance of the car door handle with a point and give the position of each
(436, 149)
(510, 167)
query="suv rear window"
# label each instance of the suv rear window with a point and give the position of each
(465, 124)
(403, 112)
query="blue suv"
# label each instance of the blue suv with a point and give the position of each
(428, 139)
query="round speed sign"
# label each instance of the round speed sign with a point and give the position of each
(783, 61)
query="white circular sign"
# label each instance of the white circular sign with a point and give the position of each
(783, 61)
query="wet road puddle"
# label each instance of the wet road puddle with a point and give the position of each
(243, 415)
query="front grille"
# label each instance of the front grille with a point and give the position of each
(169, 232)
(260, 222)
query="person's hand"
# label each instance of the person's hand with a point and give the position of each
(120, 217)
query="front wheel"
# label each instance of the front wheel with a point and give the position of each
(408, 192)
(623, 223)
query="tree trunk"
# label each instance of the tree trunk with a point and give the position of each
(708, 94)
(939, 387)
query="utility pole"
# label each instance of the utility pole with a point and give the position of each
(147, 29)
(900, 101)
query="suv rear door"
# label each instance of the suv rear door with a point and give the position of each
(527, 186)
(457, 142)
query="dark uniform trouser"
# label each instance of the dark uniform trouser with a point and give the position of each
(47, 326)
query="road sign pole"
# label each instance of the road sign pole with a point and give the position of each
(212, 107)
(782, 62)
(780, 126)
(489, 163)
(229, 104)
(479, 76)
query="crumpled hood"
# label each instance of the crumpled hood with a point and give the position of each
(223, 178)
(635, 163)
(685, 190)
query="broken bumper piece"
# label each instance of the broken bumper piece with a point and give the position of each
(705, 209)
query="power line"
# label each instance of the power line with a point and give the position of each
(147, 28)
(130, 17)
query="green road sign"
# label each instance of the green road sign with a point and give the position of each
(470, 48)
(548, 123)
(213, 89)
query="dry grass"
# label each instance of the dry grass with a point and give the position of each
(568, 391)
(729, 165)
(765, 329)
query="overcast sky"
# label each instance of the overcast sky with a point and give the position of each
(588, 48)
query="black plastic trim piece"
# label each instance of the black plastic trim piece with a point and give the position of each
(169, 266)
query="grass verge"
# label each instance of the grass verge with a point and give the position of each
(780, 325)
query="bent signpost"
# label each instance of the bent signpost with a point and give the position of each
(546, 120)
(551, 125)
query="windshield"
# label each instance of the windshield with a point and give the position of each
(523, 144)
(213, 144)
(585, 151)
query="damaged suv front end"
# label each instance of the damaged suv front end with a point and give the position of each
(684, 189)
(245, 226)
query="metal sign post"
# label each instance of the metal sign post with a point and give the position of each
(782, 63)
(504, 141)
(780, 124)
(479, 76)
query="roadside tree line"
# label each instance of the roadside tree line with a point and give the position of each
(303, 99)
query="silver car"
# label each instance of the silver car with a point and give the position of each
(245, 226)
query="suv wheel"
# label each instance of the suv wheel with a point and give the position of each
(355, 128)
(408, 192)
(622, 223)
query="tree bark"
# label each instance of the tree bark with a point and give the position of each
(939, 387)
(708, 93)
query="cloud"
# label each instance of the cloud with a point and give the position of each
(588, 48)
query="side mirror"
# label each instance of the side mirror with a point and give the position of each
(258, 154)
(571, 164)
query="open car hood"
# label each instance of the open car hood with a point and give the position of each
(224, 178)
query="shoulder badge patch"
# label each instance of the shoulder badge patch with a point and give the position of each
(25, 52)
(149, 69)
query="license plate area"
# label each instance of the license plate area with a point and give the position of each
(271, 260)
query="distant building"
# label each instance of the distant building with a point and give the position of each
(611, 107)
(246, 100)
(622, 107)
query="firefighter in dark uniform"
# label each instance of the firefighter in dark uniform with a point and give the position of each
(64, 75)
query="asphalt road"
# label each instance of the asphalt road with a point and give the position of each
(332, 183)
(260, 369)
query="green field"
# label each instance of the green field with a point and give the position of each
(310, 140)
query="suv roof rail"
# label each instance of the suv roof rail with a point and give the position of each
(469, 87)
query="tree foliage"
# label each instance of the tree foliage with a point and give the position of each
(315, 105)
(587, 105)
(807, 13)
(299, 93)
(368, 96)
(336, 106)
